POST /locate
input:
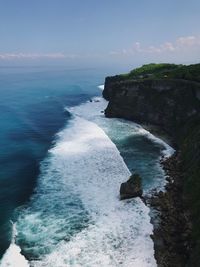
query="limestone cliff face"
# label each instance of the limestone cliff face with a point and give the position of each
(174, 106)
(165, 103)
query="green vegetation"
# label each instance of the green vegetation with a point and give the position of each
(165, 71)
(153, 70)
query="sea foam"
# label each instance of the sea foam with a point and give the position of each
(13, 256)
(101, 87)
(118, 233)
(91, 111)
(75, 217)
(119, 130)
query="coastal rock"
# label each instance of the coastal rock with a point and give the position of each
(131, 188)
(172, 230)
(169, 98)
(167, 104)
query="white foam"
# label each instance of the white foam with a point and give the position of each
(91, 111)
(85, 166)
(13, 256)
(167, 151)
(120, 238)
(120, 129)
(119, 232)
(101, 87)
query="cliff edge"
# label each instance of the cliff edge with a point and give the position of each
(168, 96)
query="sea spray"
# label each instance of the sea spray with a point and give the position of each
(85, 168)
(91, 110)
(119, 130)
(101, 87)
(118, 233)
(13, 256)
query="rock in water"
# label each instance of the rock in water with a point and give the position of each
(131, 188)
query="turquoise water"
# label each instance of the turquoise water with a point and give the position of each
(62, 163)
(31, 112)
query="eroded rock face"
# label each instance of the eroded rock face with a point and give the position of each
(165, 103)
(174, 106)
(172, 236)
(131, 188)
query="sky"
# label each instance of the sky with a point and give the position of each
(99, 32)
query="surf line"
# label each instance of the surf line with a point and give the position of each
(13, 256)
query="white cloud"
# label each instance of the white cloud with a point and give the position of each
(168, 46)
(10, 56)
(137, 47)
(186, 43)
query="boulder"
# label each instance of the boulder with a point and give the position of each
(131, 188)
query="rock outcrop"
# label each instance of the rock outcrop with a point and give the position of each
(172, 236)
(168, 104)
(131, 188)
(167, 96)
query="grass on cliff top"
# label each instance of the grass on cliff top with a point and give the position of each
(165, 71)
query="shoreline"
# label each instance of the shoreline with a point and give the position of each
(172, 227)
(159, 133)
(170, 218)
(173, 106)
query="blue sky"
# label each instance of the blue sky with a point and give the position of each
(99, 32)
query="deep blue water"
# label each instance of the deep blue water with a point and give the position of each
(32, 105)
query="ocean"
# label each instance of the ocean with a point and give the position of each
(62, 163)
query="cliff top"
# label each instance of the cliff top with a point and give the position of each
(163, 71)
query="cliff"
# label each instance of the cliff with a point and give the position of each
(168, 104)
(168, 96)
